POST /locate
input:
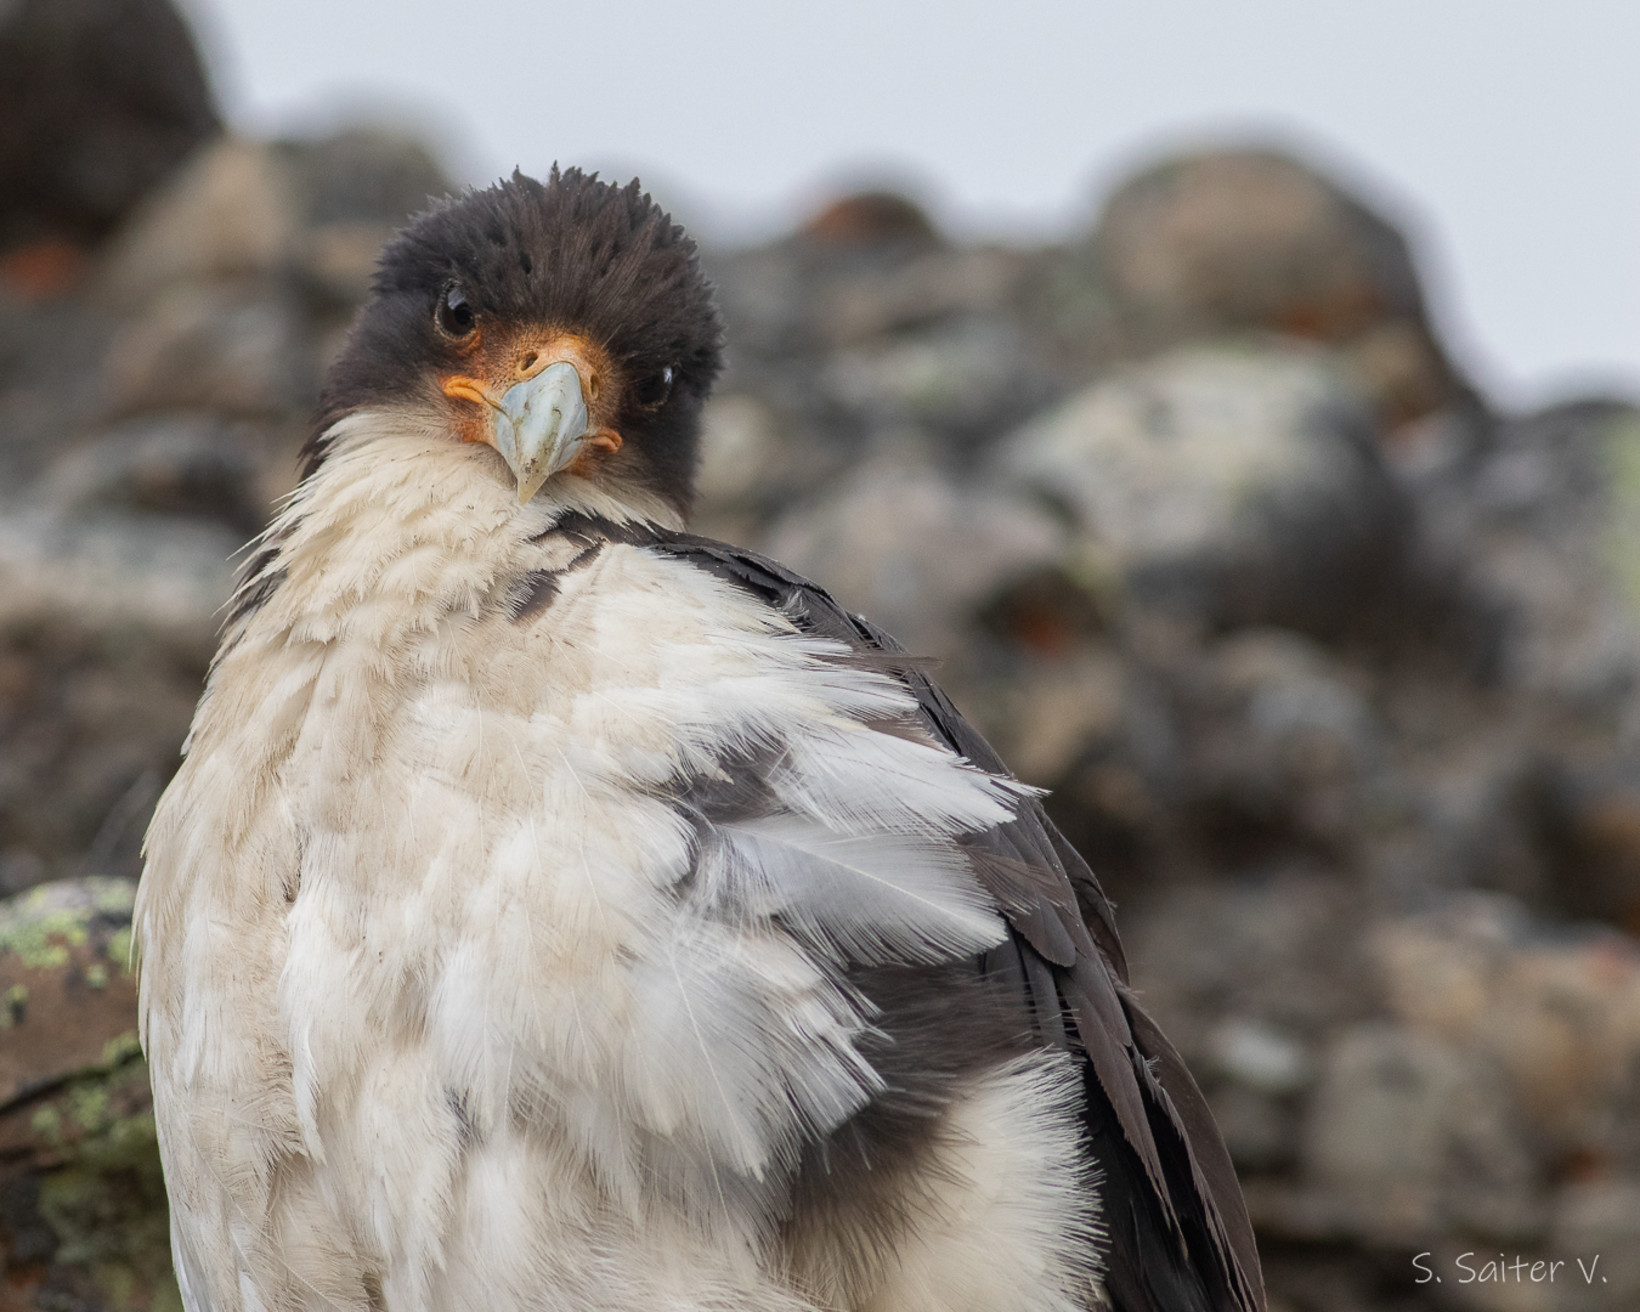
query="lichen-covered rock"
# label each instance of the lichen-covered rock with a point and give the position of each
(906, 546)
(231, 214)
(1310, 647)
(82, 1198)
(1230, 486)
(1556, 1016)
(1234, 240)
(107, 622)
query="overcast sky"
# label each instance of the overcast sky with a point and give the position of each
(1504, 133)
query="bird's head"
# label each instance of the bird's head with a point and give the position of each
(566, 324)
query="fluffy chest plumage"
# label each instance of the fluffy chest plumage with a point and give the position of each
(506, 900)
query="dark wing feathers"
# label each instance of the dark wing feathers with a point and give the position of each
(1180, 1237)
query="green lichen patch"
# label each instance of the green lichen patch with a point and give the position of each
(1621, 544)
(41, 927)
(100, 1111)
(119, 951)
(103, 1200)
(13, 1005)
(120, 1049)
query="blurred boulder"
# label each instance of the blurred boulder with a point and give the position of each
(1597, 1234)
(356, 188)
(1248, 979)
(99, 101)
(51, 355)
(1543, 519)
(371, 175)
(185, 463)
(318, 211)
(914, 552)
(155, 575)
(963, 380)
(107, 623)
(1234, 240)
(1281, 747)
(1549, 517)
(1056, 710)
(1411, 1137)
(240, 352)
(757, 462)
(1281, 953)
(232, 214)
(1556, 1014)
(82, 1198)
(867, 219)
(940, 283)
(1226, 486)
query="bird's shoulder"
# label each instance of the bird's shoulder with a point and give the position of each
(1180, 1237)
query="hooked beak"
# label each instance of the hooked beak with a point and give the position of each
(541, 426)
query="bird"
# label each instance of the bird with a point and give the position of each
(555, 909)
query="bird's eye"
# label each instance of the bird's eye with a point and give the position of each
(654, 390)
(454, 315)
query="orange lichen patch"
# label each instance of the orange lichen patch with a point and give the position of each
(19, 1286)
(871, 218)
(1335, 314)
(43, 269)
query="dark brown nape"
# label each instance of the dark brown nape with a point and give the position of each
(575, 253)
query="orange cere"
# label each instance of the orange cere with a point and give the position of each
(498, 358)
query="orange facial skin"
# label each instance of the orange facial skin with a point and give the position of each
(498, 359)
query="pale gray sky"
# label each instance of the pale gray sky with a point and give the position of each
(1505, 132)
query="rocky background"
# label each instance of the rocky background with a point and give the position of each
(1333, 669)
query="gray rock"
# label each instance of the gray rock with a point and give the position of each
(1556, 1013)
(356, 188)
(1261, 1056)
(941, 283)
(1261, 1069)
(366, 175)
(964, 380)
(1597, 1232)
(99, 101)
(757, 461)
(185, 464)
(233, 213)
(1413, 1136)
(1234, 240)
(111, 573)
(904, 545)
(238, 350)
(1282, 746)
(1282, 954)
(1547, 517)
(1543, 522)
(107, 622)
(1051, 712)
(1229, 486)
(1250, 980)
(50, 357)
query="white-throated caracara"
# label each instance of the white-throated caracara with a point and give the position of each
(555, 910)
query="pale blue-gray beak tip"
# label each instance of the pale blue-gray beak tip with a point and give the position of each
(540, 425)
